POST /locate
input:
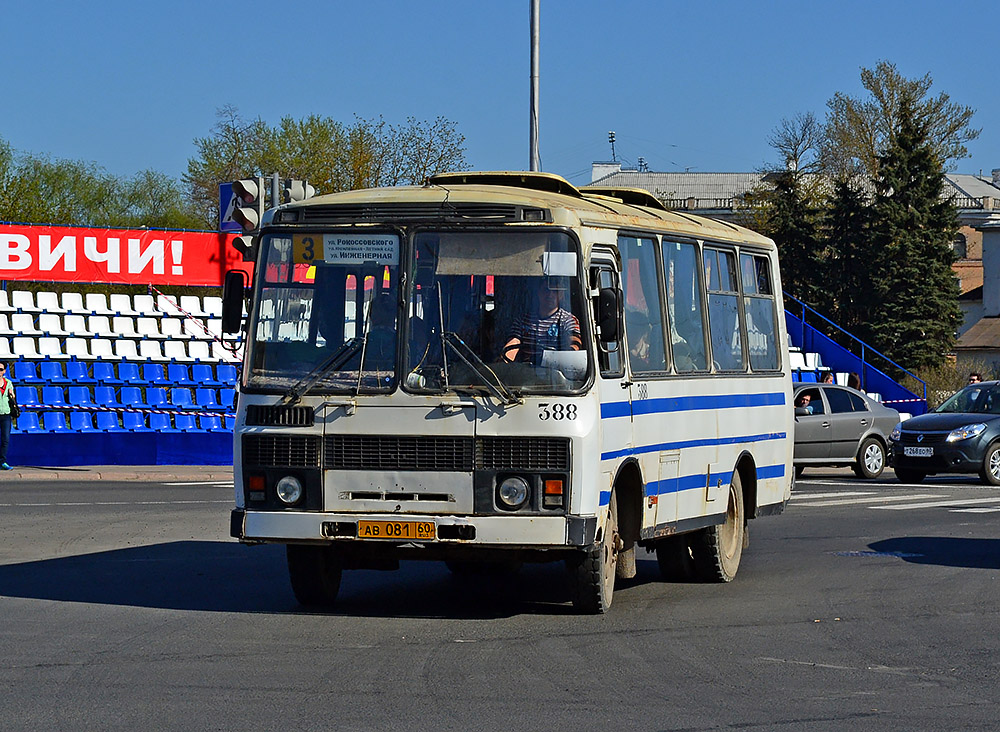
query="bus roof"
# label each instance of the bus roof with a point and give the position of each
(468, 195)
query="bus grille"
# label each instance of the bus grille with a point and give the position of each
(370, 452)
(279, 416)
(286, 451)
(523, 453)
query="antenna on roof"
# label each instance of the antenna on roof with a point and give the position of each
(611, 139)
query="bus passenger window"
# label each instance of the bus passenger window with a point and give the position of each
(684, 306)
(723, 310)
(758, 302)
(643, 317)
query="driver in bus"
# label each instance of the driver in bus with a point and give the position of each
(548, 328)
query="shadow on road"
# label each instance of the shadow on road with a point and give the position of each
(227, 577)
(943, 550)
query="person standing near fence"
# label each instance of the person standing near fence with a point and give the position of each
(6, 414)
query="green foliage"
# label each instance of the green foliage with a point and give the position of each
(945, 378)
(849, 272)
(330, 155)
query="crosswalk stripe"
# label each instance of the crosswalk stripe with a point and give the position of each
(981, 509)
(838, 494)
(876, 499)
(939, 504)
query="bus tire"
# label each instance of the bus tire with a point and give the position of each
(315, 573)
(717, 550)
(592, 572)
(673, 555)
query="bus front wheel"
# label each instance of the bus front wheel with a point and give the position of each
(315, 573)
(717, 550)
(592, 572)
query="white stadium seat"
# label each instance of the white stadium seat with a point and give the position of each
(24, 301)
(5, 351)
(124, 326)
(175, 351)
(213, 306)
(48, 302)
(125, 349)
(72, 302)
(5, 329)
(145, 305)
(150, 351)
(51, 324)
(50, 347)
(78, 348)
(199, 351)
(192, 304)
(147, 327)
(102, 350)
(167, 305)
(24, 323)
(5, 306)
(97, 303)
(221, 353)
(196, 330)
(100, 325)
(122, 304)
(76, 324)
(171, 328)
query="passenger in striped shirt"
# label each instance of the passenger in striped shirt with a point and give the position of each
(549, 328)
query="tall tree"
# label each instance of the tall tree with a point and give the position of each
(849, 266)
(918, 312)
(860, 129)
(330, 155)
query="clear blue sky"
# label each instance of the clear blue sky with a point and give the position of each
(129, 85)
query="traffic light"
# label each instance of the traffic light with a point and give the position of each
(248, 213)
(296, 190)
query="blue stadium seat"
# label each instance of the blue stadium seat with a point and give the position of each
(161, 423)
(104, 372)
(134, 422)
(24, 373)
(201, 373)
(55, 422)
(108, 422)
(207, 399)
(27, 396)
(178, 374)
(105, 396)
(52, 396)
(27, 424)
(227, 397)
(186, 423)
(81, 422)
(227, 373)
(808, 377)
(51, 372)
(128, 371)
(79, 373)
(152, 373)
(156, 396)
(212, 424)
(181, 398)
(230, 424)
(132, 396)
(79, 396)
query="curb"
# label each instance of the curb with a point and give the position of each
(115, 473)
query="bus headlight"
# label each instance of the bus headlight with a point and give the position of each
(289, 490)
(513, 493)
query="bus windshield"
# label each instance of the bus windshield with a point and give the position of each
(326, 314)
(496, 312)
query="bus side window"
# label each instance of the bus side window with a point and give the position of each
(758, 302)
(643, 316)
(609, 354)
(684, 306)
(724, 310)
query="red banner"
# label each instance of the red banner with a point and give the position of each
(123, 256)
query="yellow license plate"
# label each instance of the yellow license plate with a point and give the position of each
(423, 530)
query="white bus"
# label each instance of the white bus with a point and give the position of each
(499, 368)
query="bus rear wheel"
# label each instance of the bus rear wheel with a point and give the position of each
(315, 573)
(592, 572)
(717, 550)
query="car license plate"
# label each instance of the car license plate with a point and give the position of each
(918, 451)
(421, 530)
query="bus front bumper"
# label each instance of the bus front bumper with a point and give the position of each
(497, 531)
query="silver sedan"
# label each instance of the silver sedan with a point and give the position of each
(836, 425)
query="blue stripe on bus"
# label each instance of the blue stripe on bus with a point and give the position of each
(695, 482)
(611, 410)
(708, 441)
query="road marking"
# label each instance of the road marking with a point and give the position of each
(832, 495)
(939, 504)
(220, 483)
(876, 499)
(983, 509)
(106, 503)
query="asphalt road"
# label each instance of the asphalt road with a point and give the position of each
(864, 606)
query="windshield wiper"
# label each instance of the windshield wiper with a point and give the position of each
(336, 360)
(480, 368)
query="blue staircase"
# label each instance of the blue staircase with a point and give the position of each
(809, 338)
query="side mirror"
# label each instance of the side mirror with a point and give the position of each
(801, 412)
(233, 288)
(608, 308)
